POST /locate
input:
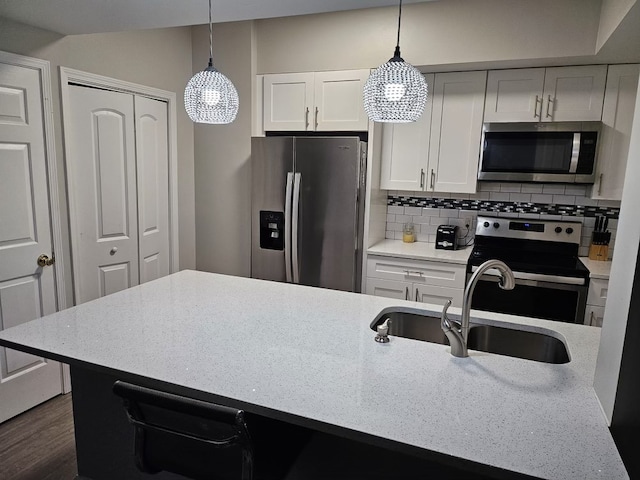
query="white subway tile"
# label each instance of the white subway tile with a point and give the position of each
(529, 216)
(437, 221)
(488, 186)
(403, 218)
(531, 188)
(575, 190)
(449, 212)
(609, 203)
(432, 239)
(395, 209)
(589, 222)
(550, 217)
(479, 196)
(398, 235)
(583, 251)
(499, 197)
(520, 197)
(429, 229)
(420, 219)
(511, 187)
(390, 235)
(553, 189)
(391, 218)
(586, 201)
(541, 198)
(564, 199)
(413, 210)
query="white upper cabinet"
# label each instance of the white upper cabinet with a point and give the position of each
(560, 94)
(617, 119)
(405, 150)
(456, 129)
(439, 152)
(321, 102)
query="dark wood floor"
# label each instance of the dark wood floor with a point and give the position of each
(39, 444)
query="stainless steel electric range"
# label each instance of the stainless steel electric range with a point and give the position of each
(551, 282)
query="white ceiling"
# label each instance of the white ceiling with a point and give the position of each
(70, 17)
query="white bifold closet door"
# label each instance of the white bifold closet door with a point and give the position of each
(119, 190)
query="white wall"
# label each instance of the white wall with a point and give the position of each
(623, 270)
(441, 34)
(158, 58)
(222, 168)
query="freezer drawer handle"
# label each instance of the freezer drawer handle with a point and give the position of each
(287, 227)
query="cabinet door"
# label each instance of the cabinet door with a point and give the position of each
(338, 101)
(288, 100)
(438, 295)
(574, 93)
(405, 150)
(442, 274)
(593, 316)
(617, 119)
(598, 290)
(456, 129)
(389, 288)
(514, 95)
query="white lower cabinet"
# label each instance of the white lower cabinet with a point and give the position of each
(596, 300)
(417, 280)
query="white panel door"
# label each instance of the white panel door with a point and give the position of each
(338, 101)
(27, 291)
(405, 151)
(103, 179)
(288, 100)
(514, 95)
(389, 289)
(152, 160)
(574, 93)
(456, 129)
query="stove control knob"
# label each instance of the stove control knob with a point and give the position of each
(558, 229)
(569, 230)
(496, 225)
(486, 224)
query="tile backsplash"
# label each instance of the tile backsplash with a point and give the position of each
(512, 200)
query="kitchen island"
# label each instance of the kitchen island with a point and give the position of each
(307, 356)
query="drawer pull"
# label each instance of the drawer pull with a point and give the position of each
(406, 293)
(417, 296)
(413, 273)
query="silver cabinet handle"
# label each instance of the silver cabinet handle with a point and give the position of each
(433, 179)
(600, 184)
(287, 228)
(417, 296)
(316, 119)
(535, 109)
(592, 319)
(406, 293)
(297, 178)
(422, 178)
(306, 119)
(410, 273)
(550, 102)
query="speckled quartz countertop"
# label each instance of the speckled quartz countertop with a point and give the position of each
(308, 355)
(596, 268)
(419, 251)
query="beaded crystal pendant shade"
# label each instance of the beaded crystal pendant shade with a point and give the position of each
(210, 97)
(396, 91)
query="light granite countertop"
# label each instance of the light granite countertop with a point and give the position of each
(419, 251)
(307, 355)
(597, 269)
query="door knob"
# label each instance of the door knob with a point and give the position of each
(45, 261)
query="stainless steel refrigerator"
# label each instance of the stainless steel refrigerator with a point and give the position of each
(308, 210)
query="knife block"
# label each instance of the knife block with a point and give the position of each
(599, 252)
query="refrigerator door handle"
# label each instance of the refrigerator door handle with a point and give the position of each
(287, 228)
(294, 221)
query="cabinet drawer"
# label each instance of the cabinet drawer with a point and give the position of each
(598, 289)
(389, 289)
(593, 316)
(438, 295)
(421, 272)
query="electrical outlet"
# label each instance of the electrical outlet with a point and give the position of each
(468, 222)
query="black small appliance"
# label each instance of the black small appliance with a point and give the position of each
(447, 237)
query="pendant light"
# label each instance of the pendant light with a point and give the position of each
(395, 92)
(210, 97)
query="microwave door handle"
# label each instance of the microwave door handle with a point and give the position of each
(287, 227)
(575, 153)
(296, 228)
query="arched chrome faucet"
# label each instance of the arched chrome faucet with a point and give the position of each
(458, 332)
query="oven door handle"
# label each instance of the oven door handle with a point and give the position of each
(536, 277)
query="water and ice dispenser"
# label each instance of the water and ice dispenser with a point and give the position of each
(271, 230)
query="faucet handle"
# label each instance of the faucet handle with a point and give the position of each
(444, 320)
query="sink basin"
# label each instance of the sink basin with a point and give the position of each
(511, 342)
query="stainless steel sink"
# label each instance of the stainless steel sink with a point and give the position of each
(511, 342)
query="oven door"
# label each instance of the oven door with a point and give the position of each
(532, 298)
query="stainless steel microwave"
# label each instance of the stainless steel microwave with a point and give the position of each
(539, 152)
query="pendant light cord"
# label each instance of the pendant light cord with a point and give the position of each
(399, 17)
(211, 38)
